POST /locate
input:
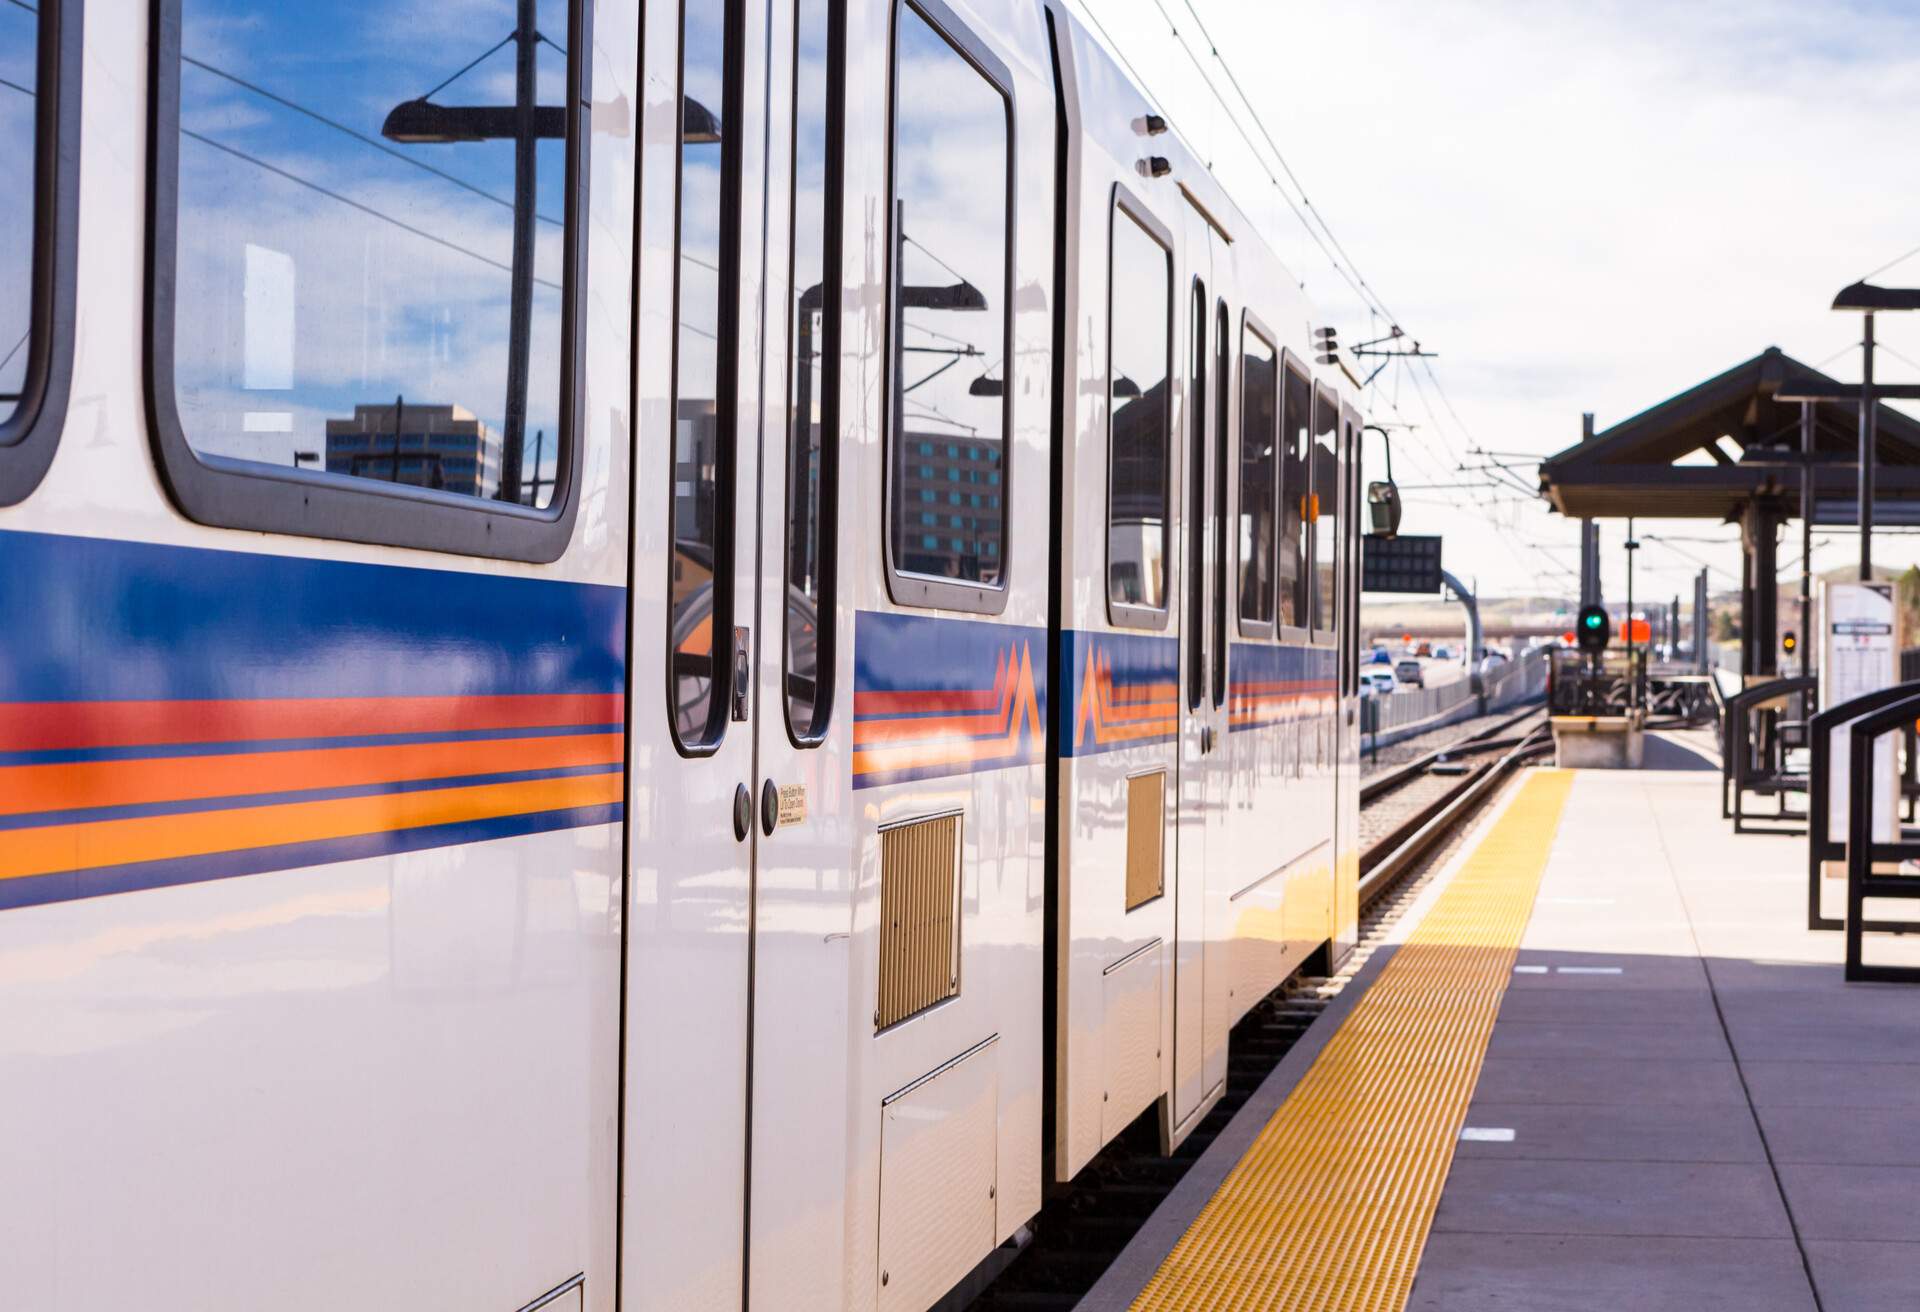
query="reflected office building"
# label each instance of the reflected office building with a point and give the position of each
(951, 512)
(446, 447)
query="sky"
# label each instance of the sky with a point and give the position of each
(1579, 206)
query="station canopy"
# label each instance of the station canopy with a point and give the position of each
(1728, 441)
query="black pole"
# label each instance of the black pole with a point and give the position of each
(1867, 416)
(520, 324)
(1806, 537)
(1633, 684)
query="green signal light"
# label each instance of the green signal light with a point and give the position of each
(1593, 621)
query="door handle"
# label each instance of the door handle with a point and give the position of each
(742, 675)
(1206, 739)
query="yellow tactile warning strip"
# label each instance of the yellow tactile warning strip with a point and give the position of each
(1330, 1207)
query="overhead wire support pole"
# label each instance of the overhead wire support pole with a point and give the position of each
(520, 309)
(1806, 537)
(1866, 451)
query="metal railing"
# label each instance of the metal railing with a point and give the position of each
(1877, 867)
(1414, 710)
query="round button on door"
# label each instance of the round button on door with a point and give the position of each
(769, 808)
(742, 812)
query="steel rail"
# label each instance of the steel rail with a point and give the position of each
(1380, 785)
(1384, 862)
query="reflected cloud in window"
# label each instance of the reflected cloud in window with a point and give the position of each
(372, 211)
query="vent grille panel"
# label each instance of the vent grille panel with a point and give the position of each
(919, 917)
(1146, 841)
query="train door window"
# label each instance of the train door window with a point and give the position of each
(366, 260)
(813, 443)
(1322, 508)
(1222, 462)
(1194, 573)
(701, 582)
(949, 374)
(1258, 364)
(39, 85)
(1296, 421)
(1139, 373)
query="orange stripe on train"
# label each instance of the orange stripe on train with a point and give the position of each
(29, 788)
(57, 848)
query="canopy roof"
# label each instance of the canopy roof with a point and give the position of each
(1711, 449)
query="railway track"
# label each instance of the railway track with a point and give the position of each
(1418, 812)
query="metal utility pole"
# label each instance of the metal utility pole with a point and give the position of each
(1806, 537)
(1866, 450)
(1589, 539)
(520, 310)
(1633, 684)
(1702, 628)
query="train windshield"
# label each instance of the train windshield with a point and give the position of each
(372, 215)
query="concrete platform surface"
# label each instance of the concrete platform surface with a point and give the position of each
(1683, 1105)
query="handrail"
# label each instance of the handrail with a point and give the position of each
(1736, 736)
(1821, 847)
(1863, 881)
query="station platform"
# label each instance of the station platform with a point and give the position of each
(1601, 1064)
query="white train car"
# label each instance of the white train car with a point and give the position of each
(657, 656)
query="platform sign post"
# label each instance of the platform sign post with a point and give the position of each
(1859, 654)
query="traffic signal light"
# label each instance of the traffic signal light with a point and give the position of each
(1789, 643)
(1594, 629)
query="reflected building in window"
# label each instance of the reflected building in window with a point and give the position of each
(446, 447)
(950, 498)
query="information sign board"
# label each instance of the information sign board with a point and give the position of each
(1859, 654)
(1400, 564)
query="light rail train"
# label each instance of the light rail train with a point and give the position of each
(654, 656)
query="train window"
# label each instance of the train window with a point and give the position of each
(39, 71)
(1323, 508)
(948, 365)
(701, 583)
(1222, 461)
(1194, 572)
(1258, 363)
(1139, 373)
(813, 444)
(1296, 420)
(365, 264)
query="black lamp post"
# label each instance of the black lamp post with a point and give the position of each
(420, 122)
(1868, 301)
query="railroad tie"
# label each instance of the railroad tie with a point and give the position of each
(1330, 1207)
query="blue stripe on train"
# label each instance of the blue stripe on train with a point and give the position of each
(98, 619)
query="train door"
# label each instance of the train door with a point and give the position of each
(802, 896)
(1198, 1065)
(699, 632)
(1346, 870)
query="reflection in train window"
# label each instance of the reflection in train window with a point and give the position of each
(19, 107)
(1296, 415)
(703, 433)
(1222, 462)
(1323, 505)
(813, 380)
(1257, 366)
(949, 368)
(372, 212)
(1138, 364)
(1194, 574)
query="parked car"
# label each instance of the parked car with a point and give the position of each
(1443, 653)
(1380, 656)
(1379, 681)
(1409, 671)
